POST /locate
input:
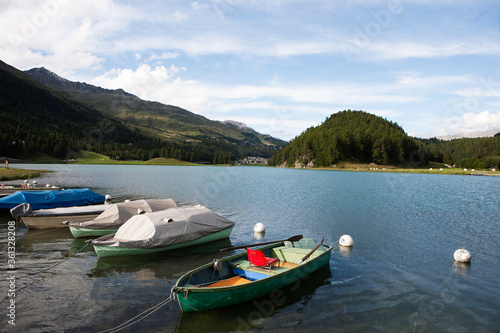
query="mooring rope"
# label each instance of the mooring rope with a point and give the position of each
(46, 269)
(144, 315)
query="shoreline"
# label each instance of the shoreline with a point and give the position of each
(17, 173)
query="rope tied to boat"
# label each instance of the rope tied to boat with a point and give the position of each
(56, 264)
(143, 315)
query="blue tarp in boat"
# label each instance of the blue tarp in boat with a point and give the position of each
(52, 199)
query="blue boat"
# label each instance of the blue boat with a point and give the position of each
(52, 199)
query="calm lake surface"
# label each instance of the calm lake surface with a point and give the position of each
(400, 275)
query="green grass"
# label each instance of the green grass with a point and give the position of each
(433, 168)
(167, 161)
(91, 157)
(13, 174)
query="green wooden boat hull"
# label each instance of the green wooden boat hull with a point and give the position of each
(113, 251)
(194, 298)
(79, 232)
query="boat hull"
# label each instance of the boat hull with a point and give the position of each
(196, 298)
(113, 251)
(52, 222)
(80, 232)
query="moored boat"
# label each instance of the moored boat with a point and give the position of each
(52, 199)
(164, 230)
(238, 278)
(53, 217)
(116, 215)
(9, 189)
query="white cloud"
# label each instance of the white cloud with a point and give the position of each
(163, 56)
(468, 123)
(156, 84)
(57, 34)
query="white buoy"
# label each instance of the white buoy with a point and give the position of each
(346, 240)
(108, 197)
(259, 227)
(461, 255)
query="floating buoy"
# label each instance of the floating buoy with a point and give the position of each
(108, 197)
(259, 227)
(461, 255)
(346, 240)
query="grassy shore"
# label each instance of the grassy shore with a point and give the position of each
(433, 168)
(94, 158)
(13, 174)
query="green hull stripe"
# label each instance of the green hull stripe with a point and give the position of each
(111, 251)
(87, 232)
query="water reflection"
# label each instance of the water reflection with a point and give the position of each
(345, 251)
(462, 268)
(259, 235)
(251, 315)
(168, 264)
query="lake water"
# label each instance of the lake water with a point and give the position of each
(399, 276)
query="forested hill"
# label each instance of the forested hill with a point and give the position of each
(358, 136)
(349, 135)
(37, 120)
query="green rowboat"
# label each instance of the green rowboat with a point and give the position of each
(233, 280)
(80, 232)
(113, 251)
(164, 230)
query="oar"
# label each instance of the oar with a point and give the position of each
(309, 254)
(291, 239)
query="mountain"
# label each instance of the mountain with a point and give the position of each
(166, 121)
(37, 120)
(235, 123)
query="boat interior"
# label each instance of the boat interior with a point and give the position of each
(240, 270)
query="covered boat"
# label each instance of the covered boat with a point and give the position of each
(163, 231)
(241, 278)
(53, 217)
(116, 215)
(52, 199)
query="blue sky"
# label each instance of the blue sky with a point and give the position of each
(278, 66)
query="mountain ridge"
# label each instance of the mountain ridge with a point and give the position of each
(36, 120)
(478, 134)
(168, 121)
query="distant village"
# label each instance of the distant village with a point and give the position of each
(252, 160)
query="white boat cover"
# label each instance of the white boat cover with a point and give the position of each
(170, 227)
(117, 214)
(24, 209)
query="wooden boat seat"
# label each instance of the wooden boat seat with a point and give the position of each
(234, 281)
(292, 254)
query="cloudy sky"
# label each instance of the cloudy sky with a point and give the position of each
(280, 66)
